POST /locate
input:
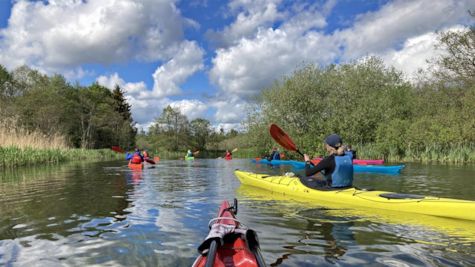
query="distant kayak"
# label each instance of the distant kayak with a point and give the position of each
(228, 158)
(436, 206)
(367, 161)
(189, 158)
(135, 166)
(229, 242)
(274, 161)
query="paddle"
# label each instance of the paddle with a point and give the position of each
(196, 152)
(118, 149)
(282, 156)
(283, 139)
(234, 150)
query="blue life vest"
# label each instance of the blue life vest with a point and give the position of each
(189, 155)
(342, 176)
(277, 156)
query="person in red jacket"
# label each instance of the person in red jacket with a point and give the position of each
(145, 154)
(135, 158)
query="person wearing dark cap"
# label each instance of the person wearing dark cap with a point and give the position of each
(337, 168)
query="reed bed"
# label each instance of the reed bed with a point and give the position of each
(12, 135)
(19, 147)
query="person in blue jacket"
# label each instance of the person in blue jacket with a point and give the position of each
(337, 168)
(135, 157)
(274, 155)
(189, 155)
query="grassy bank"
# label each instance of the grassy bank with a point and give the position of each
(15, 156)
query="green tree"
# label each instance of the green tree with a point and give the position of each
(171, 130)
(201, 130)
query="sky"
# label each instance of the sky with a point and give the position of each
(210, 57)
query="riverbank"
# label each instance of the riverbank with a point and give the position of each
(429, 153)
(207, 154)
(15, 156)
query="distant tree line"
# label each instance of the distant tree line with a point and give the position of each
(172, 131)
(367, 102)
(90, 116)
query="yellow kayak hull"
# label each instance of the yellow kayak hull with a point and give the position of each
(435, 206)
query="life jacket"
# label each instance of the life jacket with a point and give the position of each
(342, 176)
(189, 155)
(228, 154)
(277, 156)
(145, 154)
(137, 159)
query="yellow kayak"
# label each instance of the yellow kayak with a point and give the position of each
(443, 207)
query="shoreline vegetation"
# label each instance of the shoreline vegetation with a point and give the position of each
(384, 114)
(20, 147)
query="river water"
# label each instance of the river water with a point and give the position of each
(103, 214)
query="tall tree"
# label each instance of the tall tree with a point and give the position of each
(171, 130)
(125, 129)
(201, 130)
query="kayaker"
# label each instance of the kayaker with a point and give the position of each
(135, 158)
(189, 155)
(145, 154)
(228, 154)
(348, 148)
(337, 168)
(274, 155)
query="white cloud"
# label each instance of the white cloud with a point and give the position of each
(253, 14)
(186, 61)
(376, 32)
(114, 79)
(58, 35)
(191, 108)
(246, 68)
(78, 73)
(400, 32)
(230, 110)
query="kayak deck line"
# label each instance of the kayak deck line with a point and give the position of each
(428, 205)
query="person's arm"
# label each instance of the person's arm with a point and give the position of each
(324, 164)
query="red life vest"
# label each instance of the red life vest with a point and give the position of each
(228, 154)
(145, 155)
(136, 159)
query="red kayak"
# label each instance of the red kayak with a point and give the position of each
(135, 166)
(367, 161)
(228, 158)
(229, 242)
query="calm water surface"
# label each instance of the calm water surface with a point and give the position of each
(102, 213)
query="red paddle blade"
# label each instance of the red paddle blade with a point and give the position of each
(281, 137)
(196, 152)
(150, 161)
(118, 149)
(257, 159)
(282, 156)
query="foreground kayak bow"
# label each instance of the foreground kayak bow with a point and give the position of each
(229, 242)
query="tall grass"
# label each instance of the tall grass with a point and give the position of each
(19, 146)
(12, 135)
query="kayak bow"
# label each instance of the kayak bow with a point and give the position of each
(238, 248)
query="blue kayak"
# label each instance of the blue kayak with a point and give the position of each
(274, 162)
(362, 168)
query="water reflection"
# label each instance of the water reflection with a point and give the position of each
(102, 213)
